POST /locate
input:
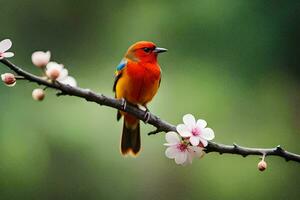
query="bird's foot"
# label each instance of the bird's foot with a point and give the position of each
(147, 113)
(147, 117)
(123, 103)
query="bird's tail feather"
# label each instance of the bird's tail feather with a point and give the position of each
(131, 139)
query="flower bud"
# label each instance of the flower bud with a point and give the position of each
(40, 58)
(262, 165)
(53, 73)
(38, 94)
(9, 79)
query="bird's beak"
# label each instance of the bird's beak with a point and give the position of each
(159, 50)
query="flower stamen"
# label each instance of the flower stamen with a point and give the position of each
(196, 131)
(182, 147)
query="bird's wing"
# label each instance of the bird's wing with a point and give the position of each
(159, 82)
(118, 72)
(122, 64)
(118, 75)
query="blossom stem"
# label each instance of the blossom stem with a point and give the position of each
(20, 78)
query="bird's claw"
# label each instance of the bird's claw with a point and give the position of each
(123, 103)
(147, 117)
(147, 113)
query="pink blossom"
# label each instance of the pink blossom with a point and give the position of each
(196, 131)
(9, 79)
(4, 46)
(40, 58)
(180, 150)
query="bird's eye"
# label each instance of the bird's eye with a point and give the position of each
(147, 50)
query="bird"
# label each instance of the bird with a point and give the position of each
(137, 79)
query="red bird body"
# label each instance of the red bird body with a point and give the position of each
(141, 81)
(137, 81)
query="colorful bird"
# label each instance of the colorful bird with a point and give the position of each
(137, 80)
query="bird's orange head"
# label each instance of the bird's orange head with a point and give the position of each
(144, 51)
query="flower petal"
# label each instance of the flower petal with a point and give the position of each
(196, 152)
(208, 134)
(201, 123)
(204, 142)
(171, 152)
(172, 138)
(69, 80)
(63, 75)
(183, 130)
(40, 58)
(194, 140)
(11, 85)
(189, 120)
(181, 157)
(5, 45)
(8, 54)
(189, 159)
(54, 65)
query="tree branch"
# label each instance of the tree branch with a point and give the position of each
(161, 125)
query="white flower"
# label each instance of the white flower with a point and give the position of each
(9, 79)
(180, 150)
(56, 71)
(40, 58)
(4, 46)
(195, 131)
(38, 94)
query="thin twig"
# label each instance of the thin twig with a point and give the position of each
(20, 78)
(161, 125)
(157, 130)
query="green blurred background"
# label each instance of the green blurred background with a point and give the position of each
(234, 63)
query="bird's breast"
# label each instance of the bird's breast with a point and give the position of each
(143, 83)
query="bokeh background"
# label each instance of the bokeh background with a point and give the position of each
(234, 63)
